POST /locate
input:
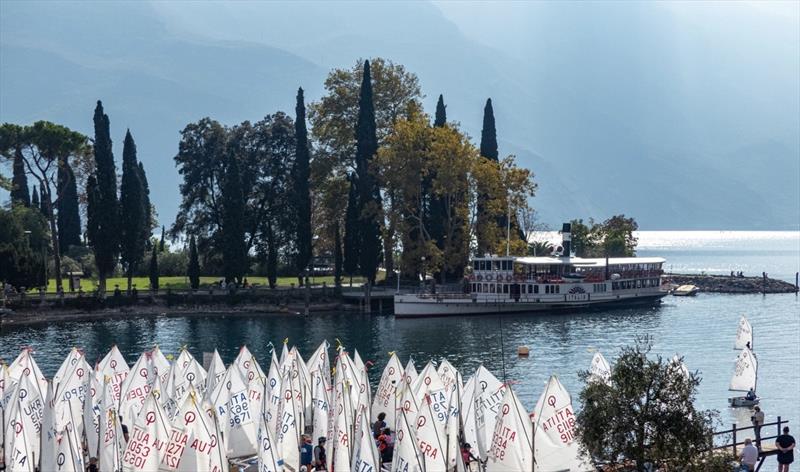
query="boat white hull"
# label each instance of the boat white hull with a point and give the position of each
(743, 401)
(449, 305)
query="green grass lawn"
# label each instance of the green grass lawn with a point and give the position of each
(178, 283)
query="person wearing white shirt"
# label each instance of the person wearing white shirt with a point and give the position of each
(749, 455)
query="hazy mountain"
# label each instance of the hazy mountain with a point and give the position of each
(683, 117)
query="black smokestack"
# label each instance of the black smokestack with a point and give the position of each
(566, 239)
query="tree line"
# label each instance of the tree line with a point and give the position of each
(363, 176)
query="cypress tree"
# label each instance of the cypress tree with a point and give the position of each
(193, 271)
(69, 217)
(441, 113)
(351, 237)
(337, 258)
(233, 244)
(35, 198)
(301, 189)
(19, 182)
(154, 270)
(43, 202)
(105, 242)
(436, 212)
(489, 133)
(272, 257)
(132, 210)
(162, 245)
(489, 151)
(369, 201)
(148, 209)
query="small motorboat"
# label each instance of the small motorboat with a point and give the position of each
(686, 291)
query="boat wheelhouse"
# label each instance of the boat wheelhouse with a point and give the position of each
(501, 284)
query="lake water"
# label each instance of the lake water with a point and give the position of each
(702, 329)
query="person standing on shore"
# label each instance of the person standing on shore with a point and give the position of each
(785, 445)
(758, 421)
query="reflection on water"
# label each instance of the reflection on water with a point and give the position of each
(702, 329)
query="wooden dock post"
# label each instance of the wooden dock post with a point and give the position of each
(734, 439)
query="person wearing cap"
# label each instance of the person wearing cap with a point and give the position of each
(320, 459)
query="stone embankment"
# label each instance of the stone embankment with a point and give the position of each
(728, 284)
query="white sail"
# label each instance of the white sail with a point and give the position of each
(407, 457)
(288, 434)
(92, 406)
(744, 334)
(512, 438)
(273, 391)
(410, 373)
(71, 392)
(320, 405)
(468, 426)
(267, 454)
(385, 399)
(453, 429)
(450, 376)
(430, 434)
(25, 365)
(234, 414)
(216, 370)
(185, 371)
(555, 447)
(136, 388)
(745, 373)
(112, 442)
(487, 397)
(599, 369)
(194, 444)
(69, 362)
(148, 438)
(248, 365)
(320, 361)
(160, 364)
(23, 425)
(115, 368)
(6, 389)
(365, 454)
(341, 448)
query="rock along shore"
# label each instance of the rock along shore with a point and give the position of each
(728, 284)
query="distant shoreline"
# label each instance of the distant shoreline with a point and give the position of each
(732, 285)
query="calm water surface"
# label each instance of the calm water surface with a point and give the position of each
(701, 329)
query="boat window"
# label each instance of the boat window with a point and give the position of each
(558, 289)
(535, 289)
(475, 265)
(505, 288)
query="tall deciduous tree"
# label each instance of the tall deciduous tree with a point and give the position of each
(370, 211)
(645, 414)
(234, 251)
(44, 147)
(103, 211)
(133, 213)
(193, 270)
(69, 217)
(333, 119)
(302, 197)
(19, 182)
(351, 230)
(22, 255)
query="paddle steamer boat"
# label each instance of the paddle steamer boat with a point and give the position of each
(508, 284)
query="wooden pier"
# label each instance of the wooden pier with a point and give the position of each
(767, 446)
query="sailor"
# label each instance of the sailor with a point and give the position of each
(751, 394)
(748, 346)
(379, 425)
(306, 452)
(758, 421)
(320, 459)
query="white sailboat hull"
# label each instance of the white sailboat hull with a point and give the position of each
(420, 305)
(743, 401)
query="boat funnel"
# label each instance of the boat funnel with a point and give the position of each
(566, 239)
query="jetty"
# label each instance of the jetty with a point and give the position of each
(731, 284)
(737, 435)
